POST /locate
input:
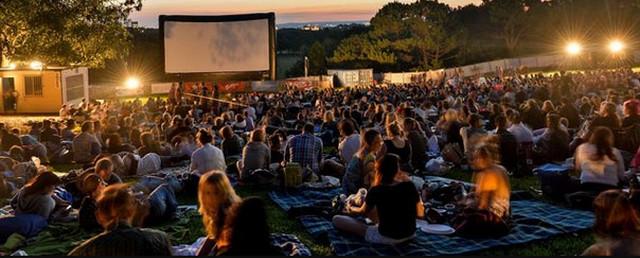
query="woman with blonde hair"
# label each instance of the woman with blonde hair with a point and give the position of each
(215, 197)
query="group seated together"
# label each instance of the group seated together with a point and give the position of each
(373, 142)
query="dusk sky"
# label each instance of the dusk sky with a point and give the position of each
(286, 10)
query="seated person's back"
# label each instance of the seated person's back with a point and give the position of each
(115, 210)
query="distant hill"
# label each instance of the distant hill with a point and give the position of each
(322, 24)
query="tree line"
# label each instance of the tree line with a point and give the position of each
(425, 34)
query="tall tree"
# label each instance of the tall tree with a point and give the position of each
(434, 33)
(65, 32)
(417, 36)
(317, 59)
(515, 17)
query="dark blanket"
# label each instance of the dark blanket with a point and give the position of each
(532, 220)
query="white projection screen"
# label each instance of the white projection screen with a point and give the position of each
(230, 44)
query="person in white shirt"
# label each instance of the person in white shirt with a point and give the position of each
(522, 133)
(601, 166)
(207, 157)
(251, 112)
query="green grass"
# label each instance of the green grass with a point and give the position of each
(279, 222)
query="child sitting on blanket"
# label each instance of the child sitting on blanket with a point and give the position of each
(396, 202)
(487, 209)
(617, 226)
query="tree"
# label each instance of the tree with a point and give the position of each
(434, 34)
(515, 17)
(317, 59)
(65, 32)
(419, 36)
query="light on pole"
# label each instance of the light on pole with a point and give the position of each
(306, 66)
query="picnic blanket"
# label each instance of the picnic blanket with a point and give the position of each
(304, 197)
(533, 220)
(289, 244)
(61, 238)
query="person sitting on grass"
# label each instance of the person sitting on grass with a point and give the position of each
(215, 196)
(396, 204)
(360, 169)
(246, 231)
(617, 226)
(255, 155)
(207, 157)
(487, 209)
(86, 145)
(601, 165)
(116, 208)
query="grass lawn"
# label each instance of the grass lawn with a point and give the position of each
(280, 223)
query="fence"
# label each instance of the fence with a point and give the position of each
(496, 67)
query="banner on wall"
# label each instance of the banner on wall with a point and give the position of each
(232, 87)
(298, 84)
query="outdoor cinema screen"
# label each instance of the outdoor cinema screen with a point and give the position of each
(217, 44)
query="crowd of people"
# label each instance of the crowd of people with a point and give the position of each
(374, 138)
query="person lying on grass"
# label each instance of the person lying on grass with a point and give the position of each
(392, 203)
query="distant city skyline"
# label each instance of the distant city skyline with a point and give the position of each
(287, 11)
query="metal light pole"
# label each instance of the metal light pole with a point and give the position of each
(306, 66)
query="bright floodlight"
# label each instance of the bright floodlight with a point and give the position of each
(36, 65)
(12, 66)
(132, 83)
(616, 46)
(574, 48)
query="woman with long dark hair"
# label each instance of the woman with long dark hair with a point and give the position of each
(600, 164)
(397, 144)
(396, 203)
(246, 231)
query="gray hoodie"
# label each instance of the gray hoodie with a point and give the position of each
(40, 204)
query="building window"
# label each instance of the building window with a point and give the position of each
(33, 85)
